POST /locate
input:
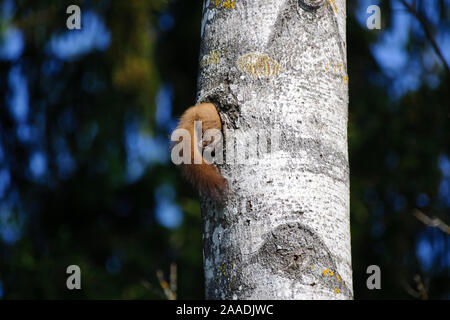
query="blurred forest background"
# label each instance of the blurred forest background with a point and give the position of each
(85, 172)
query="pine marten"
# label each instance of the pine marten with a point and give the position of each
(204, 176)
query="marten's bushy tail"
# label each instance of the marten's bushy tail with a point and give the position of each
(204, 176)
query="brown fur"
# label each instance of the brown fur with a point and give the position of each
(205, 177)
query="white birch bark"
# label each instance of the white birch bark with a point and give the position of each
(278, 66)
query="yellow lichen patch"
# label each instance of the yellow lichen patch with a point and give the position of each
(212, 58)
(344, 78)
(339, 278)
(339, 70)
(227, 4)
(222, 269)
(258, 65)
(325, 272)
(331, 273)
(333, 4)
(336, 290)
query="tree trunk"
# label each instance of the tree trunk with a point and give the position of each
(276, 71)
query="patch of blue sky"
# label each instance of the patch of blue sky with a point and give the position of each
(399, 203)
(361, 11)
(444, 192)
(67, 120)
(18, 99)
(422, 200)
(86, 139)
(443, 41)
(65, 162)
(405, 69)
(51, 66)
(152, 150)
(5, 181)
(165, 191)
(38, 164)
(93, 35)
(424, 252)
(444, 186)
(164, 102)
(397, 200)
(390, 53)
(431, 63)
(167, 212)
(431, 10)
(7, 8)
(441, 35)
(143, 151)
(10, 225)
(432, 247)
(166, 21)
(26, 133)
(444, 165)
(135, 169)
(11, 44)
(11, 39)
(378, 226)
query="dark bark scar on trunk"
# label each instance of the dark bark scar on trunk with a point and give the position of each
(310, 5)
(296, 252)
